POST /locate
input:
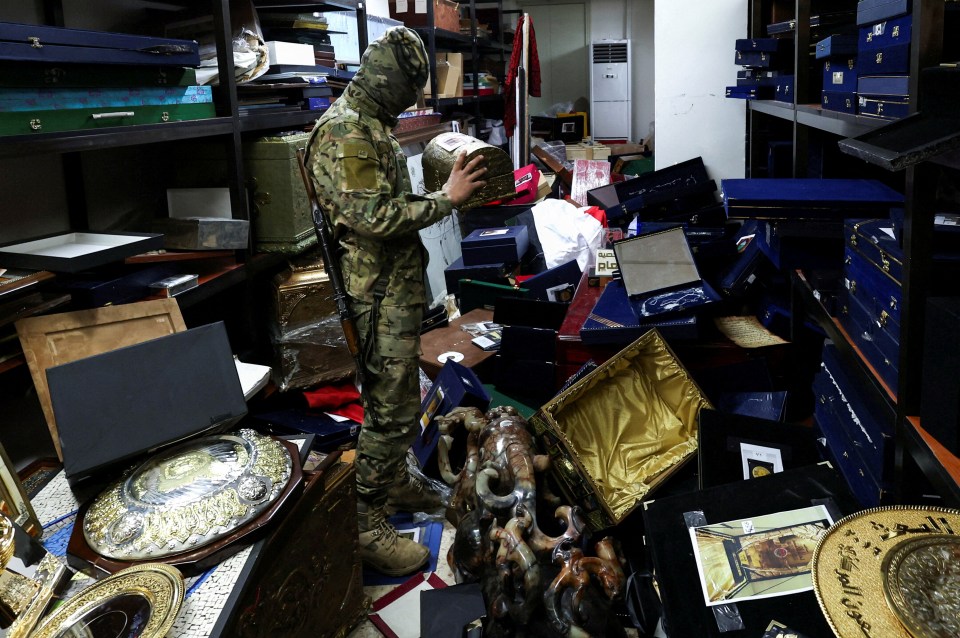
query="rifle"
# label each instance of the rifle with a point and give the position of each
(332, 267)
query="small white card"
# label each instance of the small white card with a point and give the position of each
(759, 460)
(401, 6)
(420, 6)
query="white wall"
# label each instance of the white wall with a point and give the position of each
(378, 8)
(693, 64)
(633, 20)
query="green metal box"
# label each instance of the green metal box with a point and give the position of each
(280, 211)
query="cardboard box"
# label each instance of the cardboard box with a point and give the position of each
(290, 53)
(413, 13)
(449, 76)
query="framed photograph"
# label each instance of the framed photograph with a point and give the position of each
(760, 556)
(734, 447)
(759, 460)
(14, 501)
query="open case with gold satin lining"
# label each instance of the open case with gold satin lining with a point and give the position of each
(621, 431)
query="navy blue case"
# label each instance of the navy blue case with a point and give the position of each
(760, 80)
(455, 386)
(802, 244)
(613, 320)
(834, 447)
(38, 43)
(752, 92)
(837, 45)
(761, 44)
(882, 107)
(494, 273)
(654, 205)
(840, 75)
(805, 198)
(660, 274)
(865, 280)
(870, 11)
(678, 176)
(869, 237)
(854, 424)
(758, 59)
(503, 244)
(875, 342)
(556, 284)
(884, 34)
(747, 270)
(842, 102)
(784, 89)
(880, 85)
(889, 60)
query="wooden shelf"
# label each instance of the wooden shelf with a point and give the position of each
(937, 463)
(867, 374)
(112, 137)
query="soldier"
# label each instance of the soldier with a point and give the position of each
(363, 187)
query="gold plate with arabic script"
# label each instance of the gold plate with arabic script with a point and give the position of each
(921, 580)
(851, 558)
(137, 602)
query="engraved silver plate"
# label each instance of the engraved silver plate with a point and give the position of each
(188, 497)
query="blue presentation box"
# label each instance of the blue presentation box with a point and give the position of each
(506, 244)
(840, 75)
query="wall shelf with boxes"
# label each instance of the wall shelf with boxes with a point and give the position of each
(899, 146)
(148, 154)
(457, 44)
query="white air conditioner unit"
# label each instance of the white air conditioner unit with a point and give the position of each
(611, 114)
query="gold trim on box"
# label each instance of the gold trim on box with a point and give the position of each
(607, 463)
(849, 564)
(158, 585)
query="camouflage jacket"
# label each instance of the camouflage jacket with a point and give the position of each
(361, 174)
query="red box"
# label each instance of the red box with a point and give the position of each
(526, 180)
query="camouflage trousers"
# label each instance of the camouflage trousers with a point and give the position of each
(391, 394)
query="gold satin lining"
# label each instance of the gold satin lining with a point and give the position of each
(630, 422)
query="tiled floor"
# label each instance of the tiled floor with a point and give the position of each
(366, 629)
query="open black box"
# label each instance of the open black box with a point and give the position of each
(120, 407)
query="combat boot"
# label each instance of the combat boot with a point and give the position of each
(383, 549)
(410, 494)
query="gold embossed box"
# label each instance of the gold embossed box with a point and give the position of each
(309, 346)
(442, 151)
(622, 430)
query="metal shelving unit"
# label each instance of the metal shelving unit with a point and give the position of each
(920, 175)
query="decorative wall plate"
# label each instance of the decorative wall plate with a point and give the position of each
(864, 557)
(921, 580)
(138, 602)
(188, 497)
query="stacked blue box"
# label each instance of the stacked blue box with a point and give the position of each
(855, 433)
(57, 79)
(839, 56)
(761, 59)
(871, 298)
(884, 96)
(884, 58)
(784, 89)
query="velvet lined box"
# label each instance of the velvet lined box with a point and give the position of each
(578, 428)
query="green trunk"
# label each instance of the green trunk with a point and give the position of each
(29, 122)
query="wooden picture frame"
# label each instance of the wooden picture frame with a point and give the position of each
(14, 501)
(52, 340)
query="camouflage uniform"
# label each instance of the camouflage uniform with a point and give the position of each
(364, 188)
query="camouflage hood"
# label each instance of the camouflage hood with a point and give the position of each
(392, 71)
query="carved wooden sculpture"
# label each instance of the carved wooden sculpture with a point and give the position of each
(534, 584)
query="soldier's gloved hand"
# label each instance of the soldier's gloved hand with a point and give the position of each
(465, 178)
